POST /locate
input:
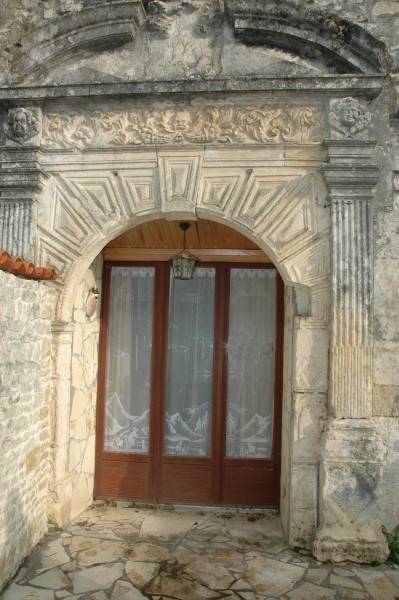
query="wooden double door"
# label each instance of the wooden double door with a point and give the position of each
(189, 385)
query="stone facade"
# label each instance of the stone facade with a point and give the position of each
(278, 122)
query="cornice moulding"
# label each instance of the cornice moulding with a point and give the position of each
(337, 86)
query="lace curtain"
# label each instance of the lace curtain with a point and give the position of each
(190, 361)
(129, 359)
(250, 352)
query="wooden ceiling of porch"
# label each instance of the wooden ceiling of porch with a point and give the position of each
(161, 239)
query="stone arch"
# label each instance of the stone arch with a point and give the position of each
(281, 209)
(92, 198)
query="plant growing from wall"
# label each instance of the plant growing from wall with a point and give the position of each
(393, 544)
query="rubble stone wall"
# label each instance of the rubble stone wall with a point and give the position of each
(26, 312)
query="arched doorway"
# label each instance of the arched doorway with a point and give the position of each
(191, 371)
(279, 208)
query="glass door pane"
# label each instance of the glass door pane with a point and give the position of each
(250, 353)
(190, 362)
(128, 390)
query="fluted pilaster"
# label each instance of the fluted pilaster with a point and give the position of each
(351, 449)
(21, 180)
(351, 180)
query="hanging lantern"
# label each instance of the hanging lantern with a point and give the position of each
(183, 263)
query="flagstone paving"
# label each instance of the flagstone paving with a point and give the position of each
(136, 553)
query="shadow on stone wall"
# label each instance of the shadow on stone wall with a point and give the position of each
(17, 537)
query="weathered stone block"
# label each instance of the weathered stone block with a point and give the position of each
(350, 493)
(311, 360)
(304, 505)
(386, 363)
(308, 412)
(385, 401)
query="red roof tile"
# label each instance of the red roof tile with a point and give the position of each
(23, 268)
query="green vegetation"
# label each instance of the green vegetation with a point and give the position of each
(393, 544)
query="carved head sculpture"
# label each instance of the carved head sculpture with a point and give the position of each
(349, 116)
(181, 120)
(22, 124)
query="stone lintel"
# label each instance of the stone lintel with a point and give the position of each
(350, 492)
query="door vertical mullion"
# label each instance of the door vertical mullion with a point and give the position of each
(161, 305)
(219, 400)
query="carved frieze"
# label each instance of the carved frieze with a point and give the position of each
(23, 124)
(348, 117)
(226, 124)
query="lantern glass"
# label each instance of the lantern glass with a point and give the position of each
(183, 265)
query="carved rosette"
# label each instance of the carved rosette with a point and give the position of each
(183, 125)
(23, 125)
(348, 117)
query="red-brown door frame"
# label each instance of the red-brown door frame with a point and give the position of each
(149, 469)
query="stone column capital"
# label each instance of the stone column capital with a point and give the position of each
(348, 182)
(349, 172)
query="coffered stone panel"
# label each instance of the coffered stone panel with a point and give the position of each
(68, 221)
(218, 192)
(98, 194)
(291, 223)
(261, 195)
(59, 255)
(140, 191)
(179, 174)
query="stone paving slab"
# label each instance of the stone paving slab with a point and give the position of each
(136, 553)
